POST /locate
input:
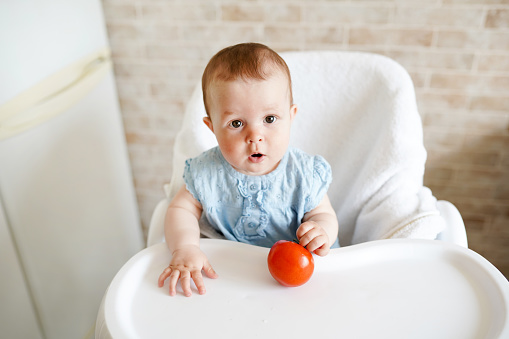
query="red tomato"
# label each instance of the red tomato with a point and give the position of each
(290, 263)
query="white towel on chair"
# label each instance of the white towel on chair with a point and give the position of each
(359, 111)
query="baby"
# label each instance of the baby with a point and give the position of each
(253, 187)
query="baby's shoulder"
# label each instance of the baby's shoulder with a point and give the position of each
(208, 161)
(207, 157)
(307, 162)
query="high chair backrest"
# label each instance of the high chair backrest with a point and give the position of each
(358, 110)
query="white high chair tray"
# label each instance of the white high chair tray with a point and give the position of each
(382, 289)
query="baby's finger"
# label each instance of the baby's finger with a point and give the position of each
(166, 273)
(303, 229)
(318, 245)
(174, 277)
(306, 239)
(185, 282)
(198, 281)
(209, 271)
(322, 251)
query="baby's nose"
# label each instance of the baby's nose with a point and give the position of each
(254, 136)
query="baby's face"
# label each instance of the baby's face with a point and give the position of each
(251, 121)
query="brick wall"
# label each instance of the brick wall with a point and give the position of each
(457, 52)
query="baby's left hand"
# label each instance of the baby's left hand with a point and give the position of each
(312, 236)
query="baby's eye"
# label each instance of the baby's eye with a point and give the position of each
(270, 119)
(236, 123)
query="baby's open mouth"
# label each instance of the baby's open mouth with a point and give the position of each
(256, 157)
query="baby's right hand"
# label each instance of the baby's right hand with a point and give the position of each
(186, 264)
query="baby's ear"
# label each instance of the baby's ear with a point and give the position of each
(293, 111)
(208, 122)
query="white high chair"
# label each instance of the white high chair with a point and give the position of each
(358, 111)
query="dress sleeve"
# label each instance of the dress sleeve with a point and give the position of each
(322, 177)
(189, 179)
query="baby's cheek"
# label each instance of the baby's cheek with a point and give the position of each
(229, 150)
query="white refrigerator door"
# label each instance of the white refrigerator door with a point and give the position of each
(39, 37)
(65, 184)
(18, 319)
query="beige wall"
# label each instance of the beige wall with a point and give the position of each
(457, 52)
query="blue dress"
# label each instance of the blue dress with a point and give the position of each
(258, 210)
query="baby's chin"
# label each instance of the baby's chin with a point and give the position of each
(257, 168)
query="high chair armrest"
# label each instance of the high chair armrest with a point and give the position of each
(156, 228)
(455, 228)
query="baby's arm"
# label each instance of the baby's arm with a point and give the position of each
(182, 234)
(319, 228)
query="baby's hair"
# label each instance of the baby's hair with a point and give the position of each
(246, 61)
